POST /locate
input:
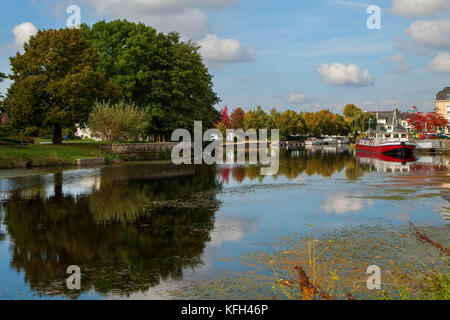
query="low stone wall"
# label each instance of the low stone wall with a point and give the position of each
(136, 148)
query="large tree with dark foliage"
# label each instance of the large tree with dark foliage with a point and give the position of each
(56, 82)
(156, 71)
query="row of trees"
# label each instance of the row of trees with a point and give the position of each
(60, 75)
(291, 123)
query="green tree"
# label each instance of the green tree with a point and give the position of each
(350, 110)
(289, 123)
(55, 82)
(257, 119)
(158, 72)
(2, 77)
(357, 120)
(119, 122)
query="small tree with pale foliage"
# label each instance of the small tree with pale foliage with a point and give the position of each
(117, 122)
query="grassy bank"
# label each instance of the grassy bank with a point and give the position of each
(47, 155)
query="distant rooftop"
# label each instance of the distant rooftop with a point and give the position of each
(389, 115)
(444, 94)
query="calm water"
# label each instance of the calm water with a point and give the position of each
(146, 230)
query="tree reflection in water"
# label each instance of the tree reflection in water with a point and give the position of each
(293, 164)
(126, 236)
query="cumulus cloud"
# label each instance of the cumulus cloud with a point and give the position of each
(420, 8)
(434, 34)
(22, 33)
(188, 17)
(339, 74)
(441, 63)
(219, 51)
(296, 97)
(342, 203)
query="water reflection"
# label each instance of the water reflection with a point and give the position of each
(124, 235)
(324, 161)
(132, 228)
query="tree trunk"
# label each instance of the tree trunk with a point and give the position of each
(57, 134)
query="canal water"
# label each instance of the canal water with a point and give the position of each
(159, 231)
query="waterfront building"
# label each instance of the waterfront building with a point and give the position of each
(443, 104)
(390, 121)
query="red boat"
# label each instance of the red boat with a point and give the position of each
(389, 139)
(401, 147)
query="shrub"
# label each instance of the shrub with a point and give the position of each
(16, 140)
(30, 132)
(6, 131)
(119, 122)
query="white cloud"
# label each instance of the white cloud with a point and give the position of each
(441, 63)
(188, 17)
(296, 97)
(420, 8)
(434, 34)
(341, 75)
(22, 33)
(219, 51)
(342, 203)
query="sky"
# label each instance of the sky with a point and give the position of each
(285, 54)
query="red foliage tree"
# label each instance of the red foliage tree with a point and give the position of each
(432, 121)
(237, 118)
(224, 118)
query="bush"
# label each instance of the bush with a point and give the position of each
(6, 131)
(119, 122)
(30, 132)
(16, 140)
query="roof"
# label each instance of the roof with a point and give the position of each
(444, 94)
(389, 115)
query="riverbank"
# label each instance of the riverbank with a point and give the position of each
(42, 155)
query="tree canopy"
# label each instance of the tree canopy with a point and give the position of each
(357, 120)
(55, 82)
(156, 71)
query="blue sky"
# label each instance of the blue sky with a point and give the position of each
(301, 55)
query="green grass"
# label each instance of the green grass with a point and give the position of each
(48, 155)
(39, 140)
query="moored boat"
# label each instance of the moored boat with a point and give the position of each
(390, 140)
(331, 141)
(395, 144)
(313, 142)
